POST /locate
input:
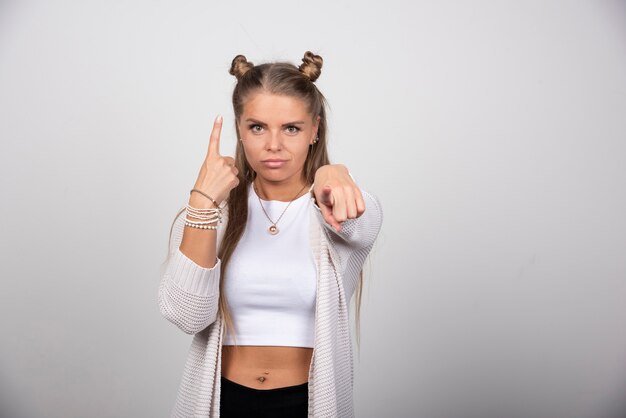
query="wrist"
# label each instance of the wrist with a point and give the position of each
(202, 198)
(201, 204)
(327, 170)
(198, 201)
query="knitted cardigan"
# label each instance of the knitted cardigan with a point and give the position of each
(188, 297)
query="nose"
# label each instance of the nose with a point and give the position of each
(274, 142)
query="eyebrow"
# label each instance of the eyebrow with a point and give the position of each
(298, 122)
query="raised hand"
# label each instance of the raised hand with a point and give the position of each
(218, 174)
(337, 195)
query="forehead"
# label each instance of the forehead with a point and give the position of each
(272, 108)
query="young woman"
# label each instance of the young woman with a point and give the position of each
(265, 257)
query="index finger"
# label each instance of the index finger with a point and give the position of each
(214, 140)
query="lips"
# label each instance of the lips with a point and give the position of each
(274, 163)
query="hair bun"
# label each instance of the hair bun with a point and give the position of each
(240, 66)
(311, 65)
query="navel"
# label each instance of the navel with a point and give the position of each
(262, 378)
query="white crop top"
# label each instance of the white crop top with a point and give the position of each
(271, 280)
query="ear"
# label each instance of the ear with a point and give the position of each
(316, 125)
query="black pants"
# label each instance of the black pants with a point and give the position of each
(239, 401)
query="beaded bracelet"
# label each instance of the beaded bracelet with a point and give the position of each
(190, 221)
(200, 226)
(204, 213)
(214, 214)
(206, 218)
(206, 210)
(214, 217)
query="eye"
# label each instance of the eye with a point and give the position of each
(255, 128)
(293, 129)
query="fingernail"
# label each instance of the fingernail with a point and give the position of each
(219, 118)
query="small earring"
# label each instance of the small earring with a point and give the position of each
(317, 138)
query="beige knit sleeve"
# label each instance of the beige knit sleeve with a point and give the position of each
(188, 294)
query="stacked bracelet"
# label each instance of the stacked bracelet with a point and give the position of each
(203, 218)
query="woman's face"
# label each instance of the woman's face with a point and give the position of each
(276, 133)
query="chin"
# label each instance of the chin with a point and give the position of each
(276, 175)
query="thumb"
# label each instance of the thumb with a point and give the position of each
(326, 197)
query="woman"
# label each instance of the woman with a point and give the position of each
(265, 259)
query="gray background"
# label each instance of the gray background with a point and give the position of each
(493, 133)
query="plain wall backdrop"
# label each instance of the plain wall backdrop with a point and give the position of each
(492, 131)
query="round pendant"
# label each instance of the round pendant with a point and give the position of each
(273, 229)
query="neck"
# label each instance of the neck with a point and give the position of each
(284, 191)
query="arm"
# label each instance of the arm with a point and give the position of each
(188, 293)
(357, 232)
(355, 238)
(348, 213)
(189, 290)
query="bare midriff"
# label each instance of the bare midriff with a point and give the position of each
(266, 367)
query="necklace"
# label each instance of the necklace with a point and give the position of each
(273, 229)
